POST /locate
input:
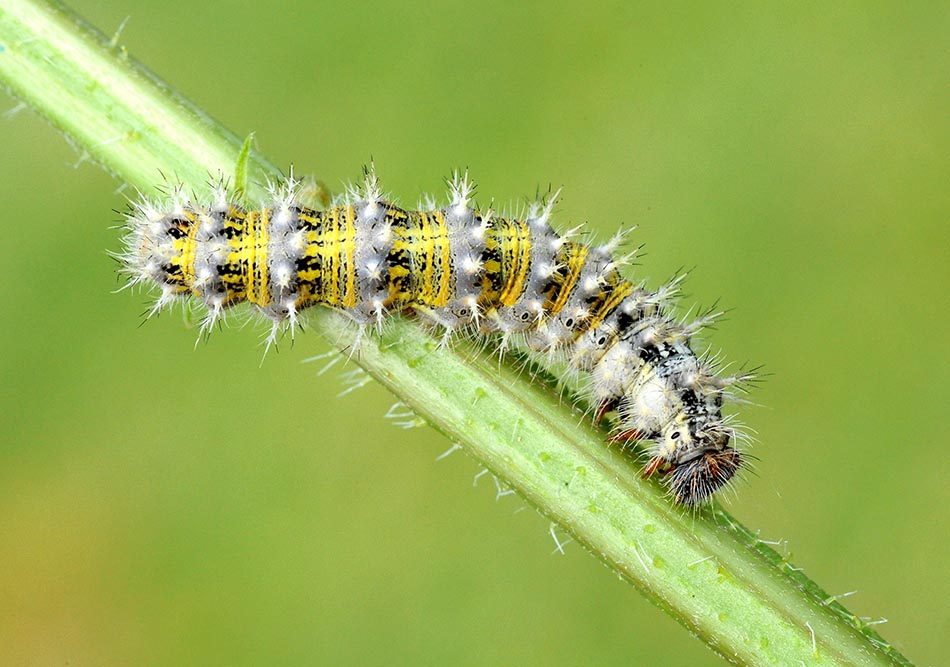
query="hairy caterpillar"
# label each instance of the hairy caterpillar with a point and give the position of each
(459, 269)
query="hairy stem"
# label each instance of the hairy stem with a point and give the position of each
(710, 573)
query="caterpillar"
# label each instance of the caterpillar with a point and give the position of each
(457, 269)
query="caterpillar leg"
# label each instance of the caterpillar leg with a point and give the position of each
(606, 405)
(654, 464)
(630, 435)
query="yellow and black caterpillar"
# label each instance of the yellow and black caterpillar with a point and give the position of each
(460, 270)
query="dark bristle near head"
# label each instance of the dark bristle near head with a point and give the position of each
(696, 480)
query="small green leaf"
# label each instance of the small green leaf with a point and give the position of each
(240, 167)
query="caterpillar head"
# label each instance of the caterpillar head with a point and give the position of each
(695, 480)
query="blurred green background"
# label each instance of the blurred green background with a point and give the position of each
(161, 504)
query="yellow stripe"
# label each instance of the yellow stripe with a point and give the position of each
(618, 292)
(349, 266)
(576, 258)
(258, 288)
(236, 282)
(331, 272)
(188, 249)
(426, 241)
(399, 283)
(445, 279)
(520, 259)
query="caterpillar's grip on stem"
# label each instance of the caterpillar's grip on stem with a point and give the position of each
(459, 270)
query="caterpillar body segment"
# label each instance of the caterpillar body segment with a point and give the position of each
(460, 270)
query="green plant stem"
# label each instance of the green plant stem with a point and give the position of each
(729, 589)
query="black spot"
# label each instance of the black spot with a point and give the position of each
(233, 232)
(625, 322)
(649, 353)
(178, 228)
